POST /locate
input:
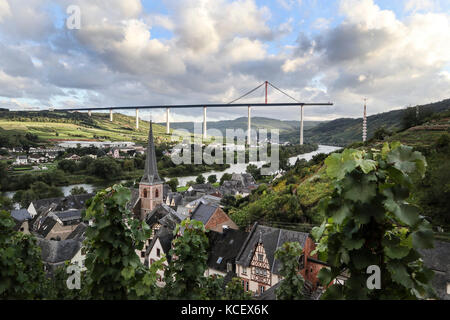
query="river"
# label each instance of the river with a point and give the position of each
(234, 168)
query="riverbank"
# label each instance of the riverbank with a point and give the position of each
(183, 180)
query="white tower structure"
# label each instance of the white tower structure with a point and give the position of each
(364, 130)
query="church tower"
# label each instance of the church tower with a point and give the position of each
(151, 185)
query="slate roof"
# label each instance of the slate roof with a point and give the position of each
(69, 215)
(226, 246)
(164, 215)
(176, 197)
(272, 239)
(46, 226)
(438, 260)
(58, 251)
(134, 198)
(79, 232)
(151, 175)
(20, 215)
(63, 203)
(165, 236)
(270, 294)
(203, 212)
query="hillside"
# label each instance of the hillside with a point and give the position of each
(241, 123)
(291, 201)
(343, 131)
(53, 126)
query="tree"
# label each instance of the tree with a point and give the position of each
(105, 168)
(67, 166)
(212, 178)
(225, 177)
(128, 165)
(185, 275)
(235, 291)
(381, 133)
(173, 184)
(200, 179)
(114, 269)
(22, 273)
(369, 222)
(291, 287)
(78, 190)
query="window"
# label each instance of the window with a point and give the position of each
(219, 261)
(244, 270)
(260, 257)
(145, 193)
(229, 267)
(245, 285)
(261, 289)
(158, 252)
(156, 193)
(142, 254)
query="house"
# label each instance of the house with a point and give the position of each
(162, 216)
(73, 157)
(199, 190)
(256, 264)
(115, 153)
(58, 225)
(35, 158)
(21, 218)
(438, 260)
(214, 200)
(213, 217)
(21, 160)
(174, 199)
(223, 249)
(56, 253)
(160, 247)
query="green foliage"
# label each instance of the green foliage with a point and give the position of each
(235, 291)
(38, 190)
(21, 270)
(291, 287)
(185, 275)
(173, 184)
(200, 179)
(213, 288)
(225, 177)
(212, 178)
(369, 221)
(78, 190)
(114, 269)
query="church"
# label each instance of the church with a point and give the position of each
(147, 202)
(151, 187)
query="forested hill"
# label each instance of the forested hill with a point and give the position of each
(343, 131)
(241, 123)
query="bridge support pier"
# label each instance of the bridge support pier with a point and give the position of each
(137, 119)
(110, 115)
(301, 125)
(89, 113)
(167, 120)
(249, 125)
(204, 122)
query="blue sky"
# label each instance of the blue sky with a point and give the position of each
(394, 53)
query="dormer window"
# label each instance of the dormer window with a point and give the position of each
(145, 193)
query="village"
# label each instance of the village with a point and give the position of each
(246, 254)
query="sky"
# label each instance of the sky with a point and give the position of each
(133, 52)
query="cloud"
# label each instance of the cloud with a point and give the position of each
(214, 51)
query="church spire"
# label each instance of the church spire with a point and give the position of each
(151, 175)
